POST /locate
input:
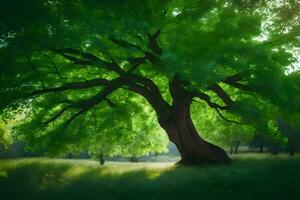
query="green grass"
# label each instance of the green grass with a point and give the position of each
(247, 177)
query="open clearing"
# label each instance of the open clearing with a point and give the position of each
(249, 176)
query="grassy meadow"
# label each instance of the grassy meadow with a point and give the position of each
(249, 176)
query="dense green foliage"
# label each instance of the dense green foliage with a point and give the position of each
(134, 134)
(65, 179)
(61, 63)
(217, 130)
(5, 137)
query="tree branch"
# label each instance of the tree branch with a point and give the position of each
(74, 85)
(83, 58)
(125, 44)
(152, 55)
(207, 99)
(53, 64)
(153, 42)
(221, 93)
(110, 103)
(85, 105)
(228, 120)
(155, 99)
(223, 117)
(233, 81)
(135, 62)
(141, 85)
(55, 116)
(35, 70)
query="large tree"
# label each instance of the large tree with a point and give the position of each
(65, 64)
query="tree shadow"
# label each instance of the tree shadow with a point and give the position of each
(244, 179)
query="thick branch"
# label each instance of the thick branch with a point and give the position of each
(233, 81)
(141, 85)
(221, 93)
(207, 99)
(153, 42)
(152, 55)
(230, 80)
(109, 102)
(177, 88)
(85, 105)
(74, 85)
(239, 86)
(124, 43)
(83, 58)
(155, 99)
(135, 62)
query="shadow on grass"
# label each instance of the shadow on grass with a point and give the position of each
(245, 178)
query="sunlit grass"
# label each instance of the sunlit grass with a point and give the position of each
(79, 167)
(249, 176)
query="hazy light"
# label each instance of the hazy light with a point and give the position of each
(295, 66)
(176, 12)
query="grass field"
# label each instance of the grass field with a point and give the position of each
(247, 177)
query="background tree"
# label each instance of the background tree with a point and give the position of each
(5, 137)
(227, 135)
(135, 137)
(63, 62)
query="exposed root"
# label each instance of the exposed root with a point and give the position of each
(180, 163)
(197, 162)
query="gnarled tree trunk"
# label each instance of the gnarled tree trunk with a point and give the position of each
(176, 120)
(182, 132)
(193, 148)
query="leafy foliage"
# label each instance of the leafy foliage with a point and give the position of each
(70, 64)
(5, 137)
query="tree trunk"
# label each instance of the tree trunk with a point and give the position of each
(69, 155)
(274, 149)
(261, 148)
(101, 159)
(236, 147)
(231, 149)
(194, 150)
(291, 146)
(134, 159)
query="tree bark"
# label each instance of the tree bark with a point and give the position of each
(176, 120)
(194, 150)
